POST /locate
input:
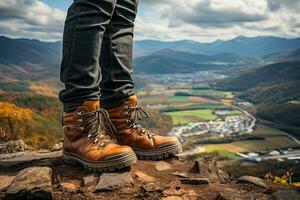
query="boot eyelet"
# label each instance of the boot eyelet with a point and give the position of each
(80, 113)
(79, 120)
(80, 128)
(101, 145)
(95, 141)
(89, 135)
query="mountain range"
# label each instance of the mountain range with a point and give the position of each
(245, 46)
(25, 59)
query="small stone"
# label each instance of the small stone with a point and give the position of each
(69, 186)
(152, 187)
(205, 165)
(5, 181)
(88, 180)
(144, 177)
(251, 179)
(57, 146)
(178, 192)
(208, 167)
(31, 183)
(181, 174)
(162, 166)
(195, 181)
(8, 161)
(286, 194)
(112, 181)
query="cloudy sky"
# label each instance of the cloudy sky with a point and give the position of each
(199, 20)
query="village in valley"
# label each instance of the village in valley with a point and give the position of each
(206, 119)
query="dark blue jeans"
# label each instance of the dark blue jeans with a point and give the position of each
(97, 52)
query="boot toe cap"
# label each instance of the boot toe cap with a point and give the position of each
(162, 141)
(119, 151)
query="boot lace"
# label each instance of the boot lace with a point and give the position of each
(134, 114)
(97, 126)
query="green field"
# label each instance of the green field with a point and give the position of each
(174, 99)
(222, 152)
(208, 106)
(211, 92)
(273, 139)
(186, 116)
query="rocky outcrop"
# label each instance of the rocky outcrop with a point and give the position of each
(113, 181)
(28, 159)
(28, 176)
(208, 167)
(31, 183)
(253, 180)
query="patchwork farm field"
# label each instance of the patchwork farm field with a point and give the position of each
(186, 116)
(274, 139)
(211, 92)
(186, 106)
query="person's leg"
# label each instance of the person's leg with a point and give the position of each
(85, 25)
(88, 132)
(116, 58)
(117, 95)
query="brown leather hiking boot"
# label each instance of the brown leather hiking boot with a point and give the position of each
(88, 140)
(146, 144)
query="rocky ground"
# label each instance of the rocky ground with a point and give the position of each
(43, 175)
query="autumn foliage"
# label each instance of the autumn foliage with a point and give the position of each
(12, 119)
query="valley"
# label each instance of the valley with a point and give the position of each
(215, 120)
(237, 98)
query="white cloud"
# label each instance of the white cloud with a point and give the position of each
(30, 18)
(201, 20)
(207, 20)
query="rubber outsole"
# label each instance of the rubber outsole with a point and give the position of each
(158, 154)
(115, 164)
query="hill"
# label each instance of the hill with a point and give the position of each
(23, 61)
(167, 61)
(274, 89)
(29, 53)
(263, 76)
(282, 56)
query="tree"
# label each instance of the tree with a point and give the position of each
(12, 119)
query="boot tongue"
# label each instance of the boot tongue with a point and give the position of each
(132, 100)
(92, 104)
